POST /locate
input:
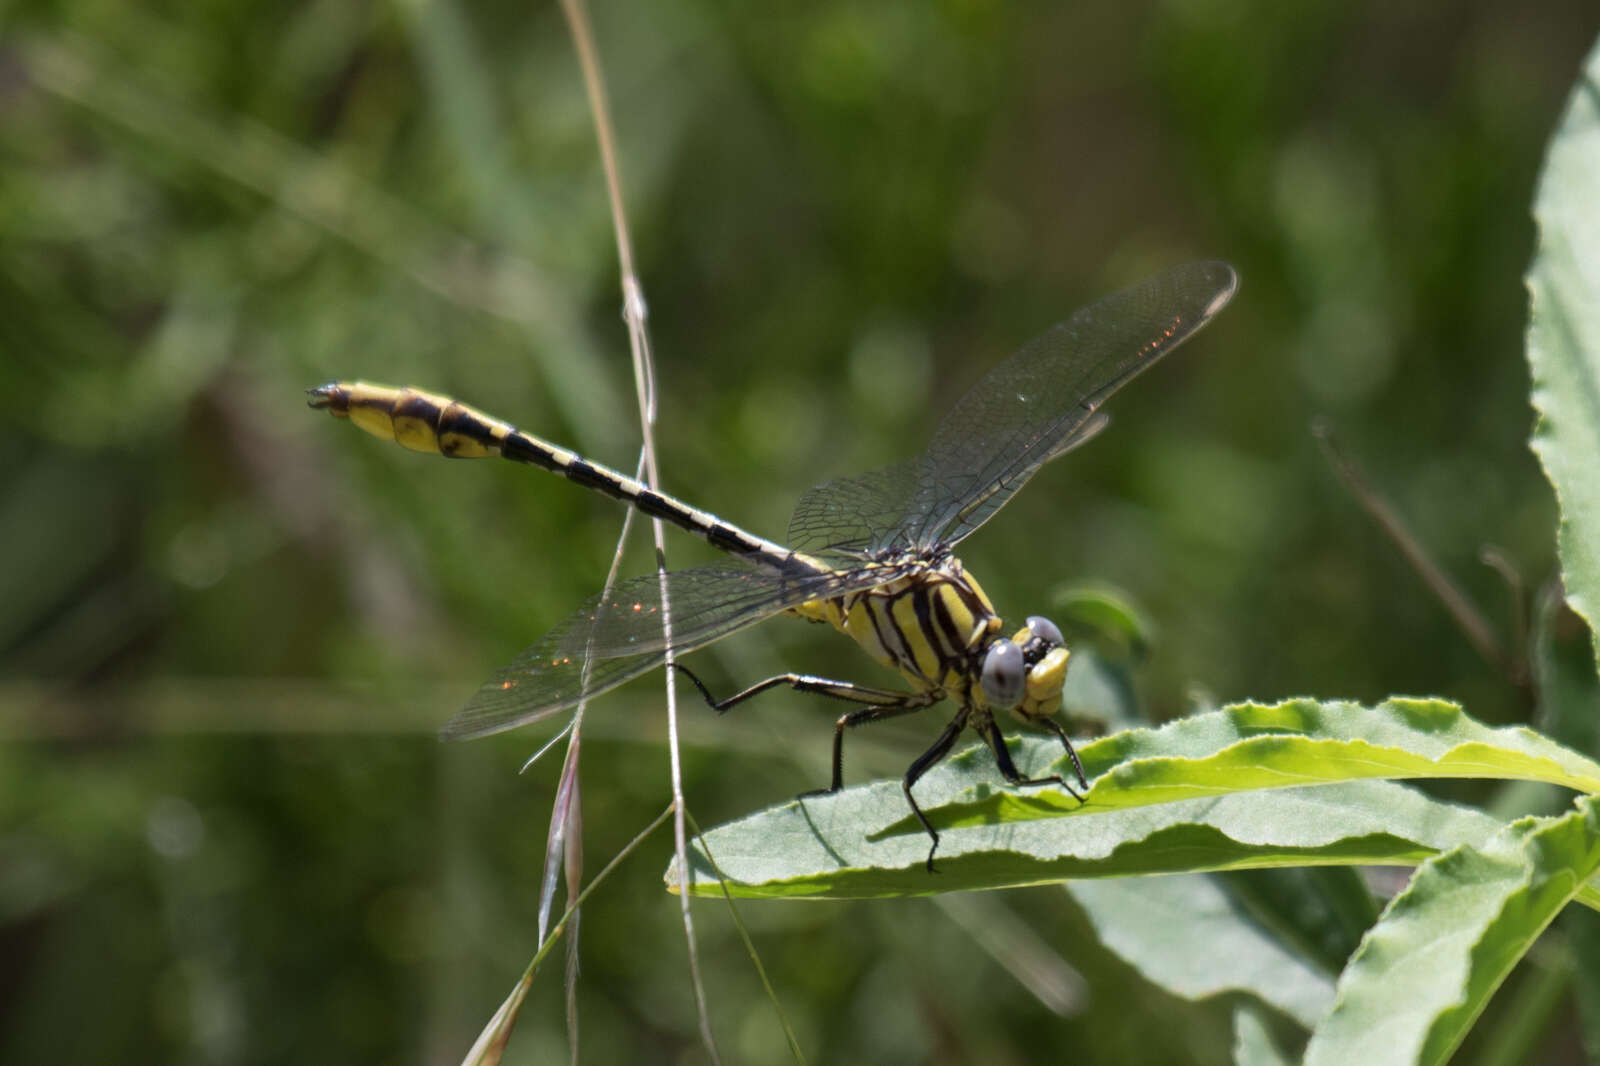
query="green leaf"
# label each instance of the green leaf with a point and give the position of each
(1202, 793)
(1564, 669)
(1564, 336)
(1252, 1043)
(1582, 927)
(1105, 617)
(1300, 742)
(1321, 912)
(1099, 694)
(1561, 659)
(815, 848)
(1263, 746)
(1526, 1012)
(1427, 969)
(1185, 934)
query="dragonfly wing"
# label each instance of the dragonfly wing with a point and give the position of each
(1038, 404)
(980, 503)
(1042, 400)
(619, 636)
(526, 691)
(854, 514)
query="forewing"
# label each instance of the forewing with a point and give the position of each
(625, 634)
(1041, 401)
(1038, 404)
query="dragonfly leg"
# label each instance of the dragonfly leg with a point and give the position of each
(1055, 727)
(880, 703)
(839, 690)
(1008, 769)
(923, 764)
(904, 703)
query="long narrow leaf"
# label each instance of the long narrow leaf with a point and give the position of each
(816, 848)
(1427, 969)
(1204, 793)
(1564, 336)
(1184, 934)
(1297, 742)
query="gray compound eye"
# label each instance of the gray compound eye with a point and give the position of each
(1005, 675)
(1045, 630)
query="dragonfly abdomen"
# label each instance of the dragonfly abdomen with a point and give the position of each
(426, 422)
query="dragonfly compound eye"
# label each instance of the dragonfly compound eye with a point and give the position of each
(1005, 675)
(1045, 630)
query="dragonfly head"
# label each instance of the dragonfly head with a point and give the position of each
(1024, 674)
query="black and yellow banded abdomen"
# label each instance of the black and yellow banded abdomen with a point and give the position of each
(415, 419)
(425, 422)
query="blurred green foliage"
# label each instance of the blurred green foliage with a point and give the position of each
(228, 625)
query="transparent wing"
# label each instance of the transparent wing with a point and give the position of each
(850, 514)
(621, 636)
(1035, 406)
(1042, 400)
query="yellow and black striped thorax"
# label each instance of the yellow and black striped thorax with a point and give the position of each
(933, 625)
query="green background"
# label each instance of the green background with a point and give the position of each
(228, 625)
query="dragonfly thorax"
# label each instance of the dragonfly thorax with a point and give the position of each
(937, 627)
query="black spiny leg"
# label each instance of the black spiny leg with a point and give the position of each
(1008, 769)
(905, 703)
(822, 686)
(1055, 727)
(880, 704)
(924, 763)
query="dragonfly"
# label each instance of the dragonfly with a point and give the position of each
(870, 555)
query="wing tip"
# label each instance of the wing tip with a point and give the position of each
(488, 713)
(1221, 276)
